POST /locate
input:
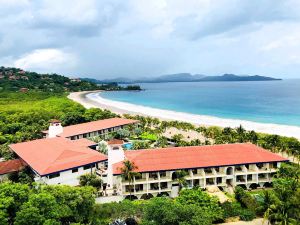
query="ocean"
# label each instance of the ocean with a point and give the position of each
(276, 102)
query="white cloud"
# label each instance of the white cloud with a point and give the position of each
(145, 37)
(46, 60)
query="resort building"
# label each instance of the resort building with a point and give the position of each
(227, 165)
(89, 129)
(66, 154)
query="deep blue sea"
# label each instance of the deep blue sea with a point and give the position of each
(264, 101)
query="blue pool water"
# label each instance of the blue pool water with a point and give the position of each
(266, 102)
(127, 145)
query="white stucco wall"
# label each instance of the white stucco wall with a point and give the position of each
(67, 177)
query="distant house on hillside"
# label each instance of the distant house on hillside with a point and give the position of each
(23, 90)
(75, 80)
(24, 77)
(21, 72)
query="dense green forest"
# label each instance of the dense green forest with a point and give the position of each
(23, 204)
(24, 115)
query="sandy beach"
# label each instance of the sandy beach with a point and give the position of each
(91, 99)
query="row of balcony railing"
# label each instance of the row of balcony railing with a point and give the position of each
(207, 172)
(162, 186)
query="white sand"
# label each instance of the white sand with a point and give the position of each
(92, 99)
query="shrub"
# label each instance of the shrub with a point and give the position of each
(90, 180)
(231, 209)
(148, 136)
(245, 199)
(247, 215)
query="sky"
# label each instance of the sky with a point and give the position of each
(138, 38)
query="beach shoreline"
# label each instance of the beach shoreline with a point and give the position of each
(91, 99)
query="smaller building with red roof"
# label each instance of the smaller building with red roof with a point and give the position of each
(59, 160)
(10, 166)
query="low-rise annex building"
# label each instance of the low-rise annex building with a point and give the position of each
(225, 165)
(89, 129)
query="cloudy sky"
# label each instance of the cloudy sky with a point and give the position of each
(112, 38)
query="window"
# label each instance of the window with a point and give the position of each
(53, 175)
(88, 167)
(162, 174)
(84, 135)
(75, 170)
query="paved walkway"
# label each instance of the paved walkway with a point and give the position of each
(253, 222)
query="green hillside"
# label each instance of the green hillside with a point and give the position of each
(14, 79)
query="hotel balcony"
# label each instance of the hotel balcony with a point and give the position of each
(241, 178)
(263, 167)
(220, 181)
(240, 169)
(140, 181)
(263, 178)
(210, 182)
(273, 166)
(139, 188)
(220, 171)
(154, 187)
(198, 173)
(209, 172)
(251, 178)
(163, 186)
(251, 168)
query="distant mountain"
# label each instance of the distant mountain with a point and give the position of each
(233, 77)
(184, 77)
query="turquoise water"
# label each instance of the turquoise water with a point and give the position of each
(127, 145)
(266, 102)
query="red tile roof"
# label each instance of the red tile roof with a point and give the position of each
(84, 142)
(51, 155)
(197, 157)
(115, 142)
(11, 166)
(94, 126)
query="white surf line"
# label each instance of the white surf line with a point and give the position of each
(269, 128)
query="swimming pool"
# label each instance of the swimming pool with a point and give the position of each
(127, 145)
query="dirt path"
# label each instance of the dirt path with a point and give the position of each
(253, 222)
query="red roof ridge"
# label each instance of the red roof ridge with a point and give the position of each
(92, 126)
(51, 155)
(173, 158)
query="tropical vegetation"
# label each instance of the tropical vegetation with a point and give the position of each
(25, 114)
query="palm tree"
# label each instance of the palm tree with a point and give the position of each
(253, 137)
(128, 173)
(268, 205)
(179, 176)
(241, 133)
